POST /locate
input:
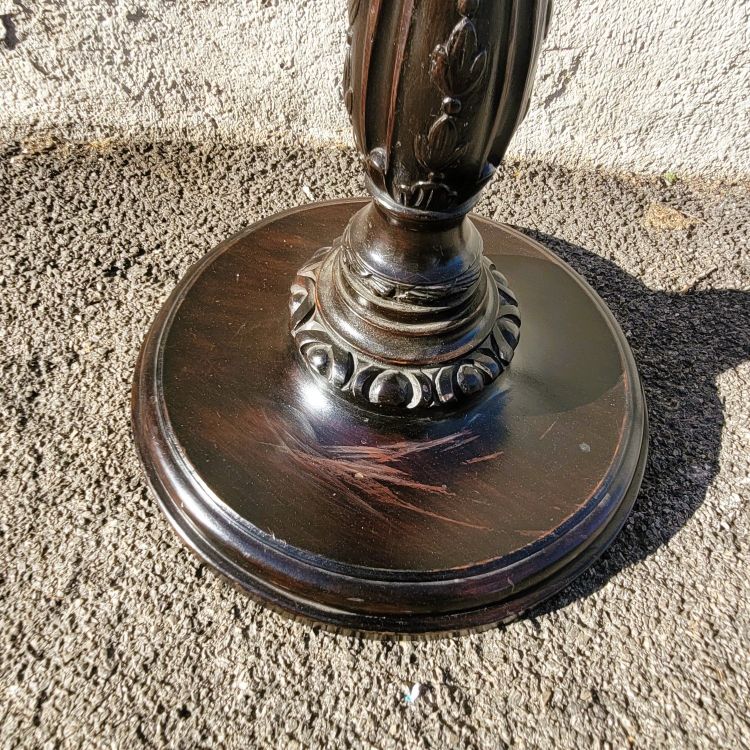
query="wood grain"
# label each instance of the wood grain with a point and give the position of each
(369, 520)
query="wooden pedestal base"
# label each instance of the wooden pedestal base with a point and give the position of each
(371, 521)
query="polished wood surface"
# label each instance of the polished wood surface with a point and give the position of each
(446, 424)
(435, 91)
(401, 309)
(369, 519)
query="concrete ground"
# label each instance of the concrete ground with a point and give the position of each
(111, 634)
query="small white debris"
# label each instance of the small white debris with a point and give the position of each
(585, 447)
(413, 694)
(308, 193)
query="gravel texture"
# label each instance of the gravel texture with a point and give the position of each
(112, 635)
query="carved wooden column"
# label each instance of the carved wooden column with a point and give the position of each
(404, 310)
(442, 424)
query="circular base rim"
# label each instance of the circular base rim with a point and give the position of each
(461, 621)
(169, 484)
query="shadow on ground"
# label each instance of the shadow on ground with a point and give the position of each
(682, 342)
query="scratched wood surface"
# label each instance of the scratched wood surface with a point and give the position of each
(302, 496)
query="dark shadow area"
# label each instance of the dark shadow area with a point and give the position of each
(682, 342)
(10, 40)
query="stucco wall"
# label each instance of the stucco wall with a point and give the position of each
(635, 85)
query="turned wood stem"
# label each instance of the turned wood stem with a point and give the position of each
(403, 311)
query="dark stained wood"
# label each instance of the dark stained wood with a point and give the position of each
(379, 521)
(402, 310)
(436, 90)
(388, 453)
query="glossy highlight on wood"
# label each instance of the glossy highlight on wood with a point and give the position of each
(402, 311)
(388, 415)
(373, 521)
(435, 91)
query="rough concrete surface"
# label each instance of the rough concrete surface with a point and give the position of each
(637, 85)
(112, 635)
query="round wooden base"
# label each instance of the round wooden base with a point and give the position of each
(370, 521)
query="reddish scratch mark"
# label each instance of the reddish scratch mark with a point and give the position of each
(532, 533)
(239, 330)
(488, 457)
(360, 472)
(397, 451)
(547, 431)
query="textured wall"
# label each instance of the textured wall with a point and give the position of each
(635, 85)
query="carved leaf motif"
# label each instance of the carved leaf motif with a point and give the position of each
(441, 148)
(426, 194)
(399, 387)
(462, 45)
(459, 65)
(439, 69)
(456, 68)
(421, 151)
